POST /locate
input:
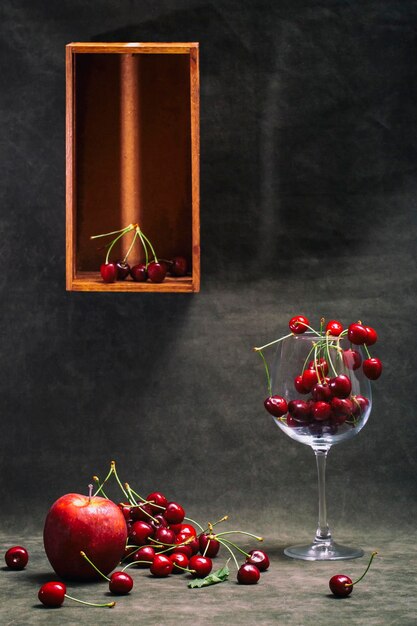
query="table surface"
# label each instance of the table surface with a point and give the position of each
(290, 592)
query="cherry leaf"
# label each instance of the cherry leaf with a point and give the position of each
(220, 576)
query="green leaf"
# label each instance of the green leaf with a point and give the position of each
(220, 576)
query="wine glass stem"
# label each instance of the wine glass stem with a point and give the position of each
(323, 531)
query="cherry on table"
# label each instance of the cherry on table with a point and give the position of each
(120, 583)
(174, 513)
(16, 558)
(108, 272)
(209, 545)
(161, 566)
(164, 534)
(201, 566)
(144, 553)
(372, 368)
(178, 266)
(248, 574)
(157, 271)
(140, 532)
(139, 273)
(180, 562)
(341, 585)
(259, 558)
(298, 324)
(122, 269)
(52, 594)
(142, 512)
(276, 406)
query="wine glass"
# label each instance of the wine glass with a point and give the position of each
(313, 371)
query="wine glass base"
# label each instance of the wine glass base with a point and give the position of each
(323, 551)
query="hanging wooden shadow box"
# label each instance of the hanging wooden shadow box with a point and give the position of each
(132, 157)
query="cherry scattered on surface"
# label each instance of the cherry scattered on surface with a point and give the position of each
(16, 558)
(52, 595)
(139, 273)
(200, 565)
(258, 558)
(161, 566)
(178, 266)
(157, 272)
(108, 272)
(145, 555)
(123, 270)
(248, 574)
(342, 586)
(120, 583)
(209, 545)
(180, 562)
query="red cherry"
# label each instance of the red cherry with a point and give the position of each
(248, 574)
(125, 509)
(157, 271)
(161, 566)
(298, 384)
(276, 406)
(298, 324)
(178, 266)
(357, 334)
(120, 583)
(164, 535)
(139, 273)
(186, 530)
(145, 553)
(340, 386)
(321, 411)
(371, 336)
(122, 269)
(174, 513)
(334, 328)
(52, 594)
(16, 558)
(108, 272)
(299, 410)
(292, 423)
(141, 513)
(341, 406)
(157, 501)
(352, 359)
(140, 533)
(158, 520)
(322, 392)
(359, 405)
(322, 366)
(341, 585)
(212, 543)
(201, 565)
(258, 558)
(309, 379)
(372, 368)
(179, 558)
(184, 549)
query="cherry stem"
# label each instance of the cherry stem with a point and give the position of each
(207, 547)
(328, 354)
(185, 569)
(109, 604)
(315, 363)
(97, 480)
(222, 519)
(100, 488)
(231, 552)
(130, 247)
(113, 232)
(236, 547)
(170, 545)
(241, 532)
(271, 343)
(138, 496)
(135, 505)
(366, 350)
(365, 572)
(151, 247)
(308, 356)
(113, 467)
(140, 234)
(268, 376)
(129, 228)
(83, 554)
(193, 521)
(135, 563)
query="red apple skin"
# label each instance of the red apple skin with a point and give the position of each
(74, 523)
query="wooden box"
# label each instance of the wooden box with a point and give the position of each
(132, 156)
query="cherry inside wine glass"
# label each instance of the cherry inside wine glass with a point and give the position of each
(320, 395)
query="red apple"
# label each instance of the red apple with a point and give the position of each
(95, 525)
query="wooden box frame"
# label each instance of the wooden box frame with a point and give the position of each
(132, 156)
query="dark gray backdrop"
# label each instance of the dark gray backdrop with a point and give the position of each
(309, 180)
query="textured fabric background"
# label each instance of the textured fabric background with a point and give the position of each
(309, 180)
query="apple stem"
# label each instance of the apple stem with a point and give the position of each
(109, 604)
(231, 552)
(365, 572)
(90, 492)
(83, 554)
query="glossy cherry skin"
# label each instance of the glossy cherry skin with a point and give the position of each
(341, 406)
(180, 559)
(371, 336)
(321, 392)
(201, 565)
(139, 273)
(16, 557)
(140, 533)
(123, 270)
(340, 585)
(161, 566)
(298, 384)
(208, 546)
(183, 531)
(372, 368)
(125, 509)
(359, 405)
(157, 271)
(158, 521)
(340, 386)
(141, 513)
(299, 410)
(174, 513)
(352, 359)
(309, 379)
(184, 549)
(321, 411)
(276, 406)
(298, 324)
(334, 328)
(145, 553)
(120, 583)
(52, 594)
(322, 366)
(259, 558)
(108, 272)
(164, 535)
(357, 334)
(157, 501)
(178, 266)
(248, 574)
